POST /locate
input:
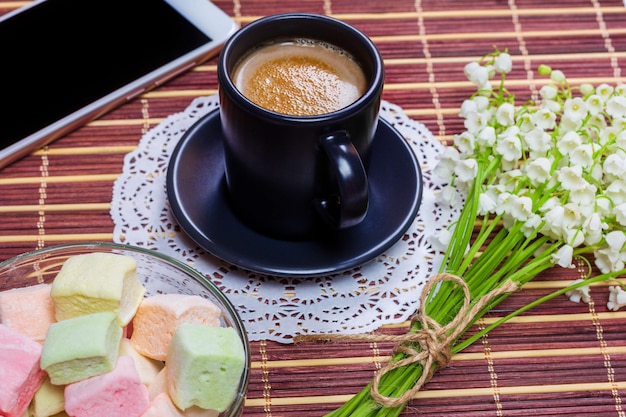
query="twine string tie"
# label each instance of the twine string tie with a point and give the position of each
(430, 344)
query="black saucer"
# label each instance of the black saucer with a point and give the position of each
(197, 195)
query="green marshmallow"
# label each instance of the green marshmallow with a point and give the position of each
(204, 366)
(81, 347)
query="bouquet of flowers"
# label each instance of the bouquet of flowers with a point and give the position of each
(547, 183)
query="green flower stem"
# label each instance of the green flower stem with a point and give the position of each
(470, 340)
(398, 381)
(482, 237)
(485, 258)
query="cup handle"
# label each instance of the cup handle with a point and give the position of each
(349, 207)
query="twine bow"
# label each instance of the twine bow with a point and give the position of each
(430, 345)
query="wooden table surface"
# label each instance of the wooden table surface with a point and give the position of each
(560, 359)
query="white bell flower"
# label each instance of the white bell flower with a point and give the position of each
(570, 141)
(594, 228)
(482, 103)
(620, 213)
(563, 257)
(594, 104)
(619, 123)
(587, 89)
(553, 222)
(477, 74)
(608, 260)
(596, 173)
(574, 237)
(615, 240)
(584, 196)
(486, 204)
(612, 256)
(538, 140)
(575, 109)
(476, 121)
(572, 217)
(505, 114)
(504, 203)
(582, 155)
(571, 178)
(531, 224)
(615, 165)
(508, 180)
(440, 240)
(539, 170)
(509, 145)
(449, 195)
(603, 206)
(610, 133)
(598, 122)
(465, 142)
(620, 139)
(485, 89)
(545, 119)
(579, 294)
(616, 106)
(525, 122)
(550, 105)
(486, 137)
(617, 298)
(466, 170)
(604, 91)
(521, 208)
(548, 92)
(467, 106)
(557, 76)
(470, 68)
(446, 162)
(503, 63)
(616, 191)
(549, 204)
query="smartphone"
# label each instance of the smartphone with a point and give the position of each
(66, 62)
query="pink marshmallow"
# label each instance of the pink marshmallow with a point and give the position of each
(20, 374)
(118, 393)
(162, 406)
(29, 310)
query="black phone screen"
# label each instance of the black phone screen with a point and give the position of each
(61, 55)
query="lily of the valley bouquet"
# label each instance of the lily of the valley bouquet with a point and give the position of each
(542, 184)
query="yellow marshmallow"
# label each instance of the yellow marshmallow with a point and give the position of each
(97, 282)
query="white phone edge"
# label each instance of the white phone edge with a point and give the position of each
(205, 15)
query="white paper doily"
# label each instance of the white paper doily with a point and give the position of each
(385, 290)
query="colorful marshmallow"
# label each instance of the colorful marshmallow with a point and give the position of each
(96, 282)
(158, 317)
(88, 359)
(48, 400)
(146, 367)
(118, 393)
(81, 347)
(20, 374)
(204, 366)
(28, 310)
(162, 406)
(159, 384)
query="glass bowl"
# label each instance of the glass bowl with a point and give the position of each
(159, 274)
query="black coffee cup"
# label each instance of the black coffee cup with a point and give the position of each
(295, 177)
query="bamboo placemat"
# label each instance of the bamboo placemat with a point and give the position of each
(559, 359)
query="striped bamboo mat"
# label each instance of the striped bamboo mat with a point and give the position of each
(561, 359)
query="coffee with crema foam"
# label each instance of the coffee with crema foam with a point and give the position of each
(300, 77)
